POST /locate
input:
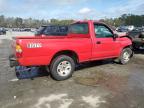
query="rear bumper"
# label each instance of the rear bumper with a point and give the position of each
(13, 61)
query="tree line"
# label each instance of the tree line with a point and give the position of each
(126, 19)
(12, 22)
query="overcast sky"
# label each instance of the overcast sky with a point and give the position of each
(70, 9)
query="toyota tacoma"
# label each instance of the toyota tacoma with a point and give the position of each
(84, 41)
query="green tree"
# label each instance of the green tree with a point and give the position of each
(18, 22)
(2, 21)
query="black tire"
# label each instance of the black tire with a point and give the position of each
(125, 56)
(61, 74)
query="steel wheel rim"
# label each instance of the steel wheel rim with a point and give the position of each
(126, 56)
(64, 68)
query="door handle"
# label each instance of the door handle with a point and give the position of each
(98, 42)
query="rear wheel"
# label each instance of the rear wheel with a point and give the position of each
(125, 55)
(62, 67)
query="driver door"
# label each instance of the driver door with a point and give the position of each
(105, 46)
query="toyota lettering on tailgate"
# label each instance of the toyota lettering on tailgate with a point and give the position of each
(34, 45)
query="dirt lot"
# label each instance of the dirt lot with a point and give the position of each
(93, 85)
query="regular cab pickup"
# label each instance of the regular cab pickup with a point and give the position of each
(84, 41)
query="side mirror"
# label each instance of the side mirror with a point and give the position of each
(115, 35)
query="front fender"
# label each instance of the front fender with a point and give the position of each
(125, 43)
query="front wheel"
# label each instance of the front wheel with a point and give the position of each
(125, 55)
(62, 67)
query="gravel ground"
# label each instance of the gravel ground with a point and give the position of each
(93, 85)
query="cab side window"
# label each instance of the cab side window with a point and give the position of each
(102, 31)
(79, 28)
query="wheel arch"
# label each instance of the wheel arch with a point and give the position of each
(128, 46)
(69, 53)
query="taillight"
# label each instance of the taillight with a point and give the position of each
(18, 51)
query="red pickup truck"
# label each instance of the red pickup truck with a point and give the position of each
(84, 41)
